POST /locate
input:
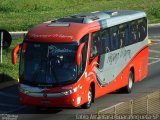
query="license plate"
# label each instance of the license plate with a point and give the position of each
(45, 102)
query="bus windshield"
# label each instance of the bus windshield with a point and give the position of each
(48, 64)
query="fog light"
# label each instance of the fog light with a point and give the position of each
(72, 100)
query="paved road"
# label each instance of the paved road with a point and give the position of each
(9, 102)
(154, 32)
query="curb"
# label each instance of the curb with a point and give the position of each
(154, 37)
(153, 25)
(7, 84)
(155, 40)
(18, 34)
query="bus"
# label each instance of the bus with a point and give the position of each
(71, 61)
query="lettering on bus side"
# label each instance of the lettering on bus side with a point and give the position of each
(122, 53)
(52, 50)
(51, 36)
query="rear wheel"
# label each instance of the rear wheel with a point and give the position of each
(90, 99)
(128, 88)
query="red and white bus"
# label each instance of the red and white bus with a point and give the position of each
(71, 61)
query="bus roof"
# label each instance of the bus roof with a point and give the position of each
(73, 28)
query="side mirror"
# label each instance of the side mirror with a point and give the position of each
(14, 54)
(79, 54)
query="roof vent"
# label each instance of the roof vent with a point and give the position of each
(95, 18)
(58, 24)
(114, 13)
(71, 19)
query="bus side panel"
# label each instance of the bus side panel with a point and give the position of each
(140, 64)
(120, 81)
(117, 83)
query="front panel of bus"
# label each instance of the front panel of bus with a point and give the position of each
(49, 75)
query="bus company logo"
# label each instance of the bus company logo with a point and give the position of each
(53, 50)
(52, 36)
(45, 95)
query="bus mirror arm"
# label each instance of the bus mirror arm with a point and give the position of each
(79, 54)
(14, 53)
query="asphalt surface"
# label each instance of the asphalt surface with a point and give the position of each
(9, 101)
(154, 32)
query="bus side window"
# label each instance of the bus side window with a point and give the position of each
(133, 32)
(126, 40)
(95, 45)
(122, 35)
(115, 44)
(142, 28)
(85, 49)
(105, 42)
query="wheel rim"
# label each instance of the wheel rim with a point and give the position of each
(89, 97)
(130, 81)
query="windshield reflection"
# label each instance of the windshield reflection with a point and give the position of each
(48, 63)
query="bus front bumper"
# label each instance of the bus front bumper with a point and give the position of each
(48, 101)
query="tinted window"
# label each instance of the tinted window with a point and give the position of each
(84, 51)
(45, 63)
(105, 41)
(133, 33)
(115, 37)
(123, 35)
(95, 45)
(142, 29)
(115, 43)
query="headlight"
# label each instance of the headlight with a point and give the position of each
(70, 91)
(23, 91)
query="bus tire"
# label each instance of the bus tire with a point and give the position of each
(90, 99)
(128, 88)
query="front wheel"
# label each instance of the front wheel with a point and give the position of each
(90, 99)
